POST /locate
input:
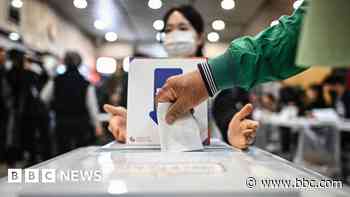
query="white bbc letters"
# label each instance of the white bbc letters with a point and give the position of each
(48, 175)
(31, 175)
(14, 175)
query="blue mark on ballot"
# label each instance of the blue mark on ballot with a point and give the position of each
(160, 77)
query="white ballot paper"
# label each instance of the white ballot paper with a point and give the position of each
(182, 135)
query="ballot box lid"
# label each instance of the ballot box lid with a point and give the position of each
(146, 171)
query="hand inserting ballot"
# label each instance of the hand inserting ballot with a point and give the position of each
(185, 91)
(242, 131)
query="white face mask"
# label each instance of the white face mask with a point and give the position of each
(180, 43)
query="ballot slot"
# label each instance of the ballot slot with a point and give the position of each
(216, 145)
(146, 77)
(146, 150)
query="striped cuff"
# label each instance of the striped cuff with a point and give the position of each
(207, 76)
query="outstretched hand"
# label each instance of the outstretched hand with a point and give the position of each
(242, 131)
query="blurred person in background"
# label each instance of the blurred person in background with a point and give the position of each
(26, 109)
(348, 79)
(314, 97)
(3, 107)
(268, 102)
(43, 141)
(114, 90)
(291, 101)
(73, 99)
(184, 37)
(291, 106)
(111, 91)
(337, 94)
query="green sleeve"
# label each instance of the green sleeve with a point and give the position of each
(268, 56)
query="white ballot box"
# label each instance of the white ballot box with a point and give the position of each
(128, 170)
(146, 77)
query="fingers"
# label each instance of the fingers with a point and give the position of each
(249, 124)
(122, 136)
(165, 94)
(249, 136)
(117, 111)
(251, 133)
(244, 140)
(168, 94)
(175, 111)
(117, 126)
(244, 112)
(248, 131)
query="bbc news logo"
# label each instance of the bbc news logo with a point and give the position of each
(52, 175)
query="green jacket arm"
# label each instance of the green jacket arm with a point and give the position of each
(249, 61)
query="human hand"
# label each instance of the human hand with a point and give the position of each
(185, 92)
(117, 123)
(242, 131)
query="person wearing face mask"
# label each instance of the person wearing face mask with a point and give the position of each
(184, 32)
(184, 38)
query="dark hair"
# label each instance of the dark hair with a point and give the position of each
(319, 101)
(291, 94)
(15, 75)
(17, 58)
(193, 16)
(334, 80)
(317, 88)
(72, 59)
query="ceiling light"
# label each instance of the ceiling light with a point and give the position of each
(158, 25)
(297, 4)
(106, 65)
(99, 24)
(228, 4)
(218, 25)
(61, 69)
(155, 4)
(213, 37)
(111, 36)
(17, 3)
(81, 4)
(274, 22)
(14, 36)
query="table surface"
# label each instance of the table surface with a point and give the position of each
(219, 170)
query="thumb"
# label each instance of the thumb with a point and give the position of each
(118, 111)
(175, 111)
(244, 112)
